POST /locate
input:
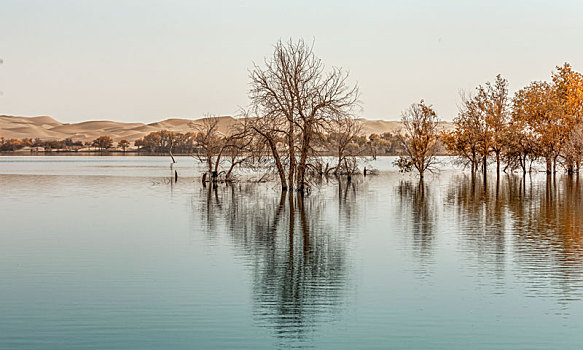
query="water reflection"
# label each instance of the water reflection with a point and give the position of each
(152, 262)
(539, 219)
(549, 236)
(297, 257)
(348, 195)
(480, 209)
(417, 208)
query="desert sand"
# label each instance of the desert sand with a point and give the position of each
(47, 128)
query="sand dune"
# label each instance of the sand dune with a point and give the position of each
(46, 128)
(15, 122)
(379, 126)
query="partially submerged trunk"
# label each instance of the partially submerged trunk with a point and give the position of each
(278, 164)
(301, 180)
(292, 155)
(549, 165)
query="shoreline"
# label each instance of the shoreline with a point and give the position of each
(151, 154)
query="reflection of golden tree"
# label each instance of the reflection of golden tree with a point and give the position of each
(549, 231)
(541, 221)
(297, 260)
(418, 209)
(481, 215)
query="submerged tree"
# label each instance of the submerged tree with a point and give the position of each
(481, 125)
(568, 89)
(464, 141)
(341, 137)
(519, 147)
(494, 102)
(419, 138)
(543, 120)
(210, 142)
(293, 97)
(535, 109)
(216, 145)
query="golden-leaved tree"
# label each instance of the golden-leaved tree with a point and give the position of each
(419, 138)
(480, 126)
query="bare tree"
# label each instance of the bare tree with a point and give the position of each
(342, 133)
(216, 145)
(242, 147)
(210, 142)
(292, 99)
(268, 128)
(419, 138)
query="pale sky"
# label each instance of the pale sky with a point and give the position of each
(151, 60)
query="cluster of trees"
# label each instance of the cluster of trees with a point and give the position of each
(165, 141)
(299, 111)
(542, 121)
(16, 144)
(101, 143)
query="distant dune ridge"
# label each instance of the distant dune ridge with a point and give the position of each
(47, 128)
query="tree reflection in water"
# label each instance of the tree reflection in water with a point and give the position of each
(480, 210)
(418, 210)
(511, 231)
(549, 235)
(297, 257)
(539, 219)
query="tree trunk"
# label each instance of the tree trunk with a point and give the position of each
(292, 156)
(301, 180)
(209, 161)
(228, 175)
(279, 166)
(570, 167)
(217, 162)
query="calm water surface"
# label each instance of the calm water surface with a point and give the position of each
(108, 252)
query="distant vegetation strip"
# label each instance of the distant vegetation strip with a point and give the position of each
(166, 141)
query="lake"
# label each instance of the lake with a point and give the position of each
(111, 253)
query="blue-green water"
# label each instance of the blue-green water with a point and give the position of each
(109, 253)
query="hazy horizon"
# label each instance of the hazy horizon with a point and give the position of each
(146, 61)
